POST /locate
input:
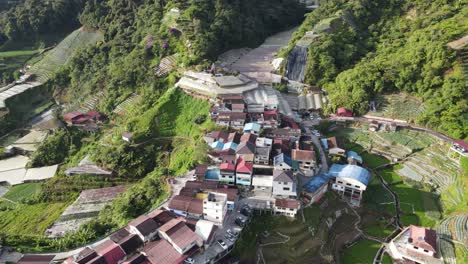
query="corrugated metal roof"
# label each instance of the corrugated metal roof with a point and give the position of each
(350, 171)
(318, 181)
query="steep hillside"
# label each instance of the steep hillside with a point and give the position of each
(359, 49)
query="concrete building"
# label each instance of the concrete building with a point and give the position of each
(215, 207)
(286, 207)
(244, 172)
(350, 181)
(263, 183)
(305, 158)
(284, 184)
(262, 155)
(228, 170)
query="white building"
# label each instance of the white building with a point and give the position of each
(263, 183)
(286, 207)
(215, 207)
(350, 181)
(284, 184)
(416, 244)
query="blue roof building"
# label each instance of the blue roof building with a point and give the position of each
(253, 128)
(212, 175)
(315, 183)
(352, 172)
(218, 145)
(353, 155)
(230, 145)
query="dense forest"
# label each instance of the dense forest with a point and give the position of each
(385, 46)
(28, 19)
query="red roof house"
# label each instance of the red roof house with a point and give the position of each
(244, 167)
(112, 253)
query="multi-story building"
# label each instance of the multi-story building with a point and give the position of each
(350, 181)
(215, 207)
(284, 184)
(262, 155)
(286, 207)
(415, 245)
(305, 159)
(244, 172)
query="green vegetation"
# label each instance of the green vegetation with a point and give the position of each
(386, 259)
(398, 106)
(22, 192)
(395, 46)
(53, 60)
(31, 18)
(57, 147)
(373, 160)
(362, 252)
(27, 219)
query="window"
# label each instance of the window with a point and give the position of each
(340, 182)
(286, 189)
(217, 217)
(357, 186)
(205, 202)
(348, 184)
(427, 251)
(415, 247)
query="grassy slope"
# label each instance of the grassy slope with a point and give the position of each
(22, 191)
(362, 252)
(30, 219)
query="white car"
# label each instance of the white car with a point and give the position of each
(222, 244)
(189, 261)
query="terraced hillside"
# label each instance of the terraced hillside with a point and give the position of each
(453, 232)
(60, 55)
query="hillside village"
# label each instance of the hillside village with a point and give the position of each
(284, 176)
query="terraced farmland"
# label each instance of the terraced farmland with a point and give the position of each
(454, 228)
(398, 106)
(58, 56)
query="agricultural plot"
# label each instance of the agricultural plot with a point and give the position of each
(418, 206)
(432, 166)
(13, 60)
(377, 198)
(372, 142)
(411, 140)
(22, 191)
(454, 228)
(362, 252)
(60, 55)
(85, 207)
(398, 106)
(26, 219)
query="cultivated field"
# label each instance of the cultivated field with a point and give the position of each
(398, 106)
(60, 55)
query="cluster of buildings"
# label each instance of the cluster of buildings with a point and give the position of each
(159, 237)
(88, 122)
(171, 235)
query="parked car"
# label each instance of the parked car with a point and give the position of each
(222, 244)
(240, 221)
(233, 233)
(189, 261)
(230, 237)
(246, 211)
